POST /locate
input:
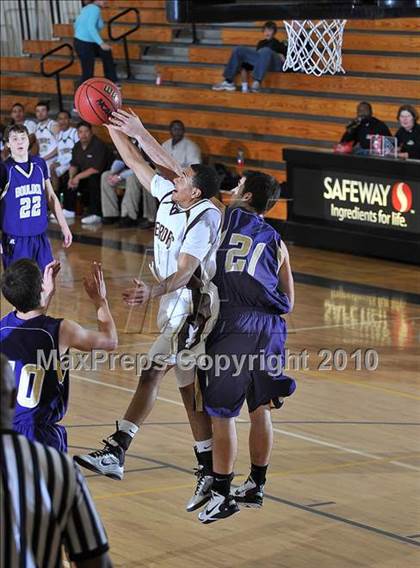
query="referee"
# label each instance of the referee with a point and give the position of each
(44, 500)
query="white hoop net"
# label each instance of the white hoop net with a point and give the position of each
(314, 46)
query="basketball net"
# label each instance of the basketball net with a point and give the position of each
(314, 46)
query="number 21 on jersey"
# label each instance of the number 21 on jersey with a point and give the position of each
(236, 258)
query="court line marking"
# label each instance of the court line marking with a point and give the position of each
(307, 508)
(278, 430)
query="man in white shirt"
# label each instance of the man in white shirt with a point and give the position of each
(183, 150)
(17, 116)
(46, 133)
(67, 138)
(186, 239)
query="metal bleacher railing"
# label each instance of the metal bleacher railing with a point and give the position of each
(57, 70)
(125, 34)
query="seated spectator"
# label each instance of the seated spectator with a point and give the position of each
(182, 149)
(134, 199)
(45, 501)
(67, 138)
(46, 133)
(17, 116)
(269, 55)
(408, 135)
(89, 159)
(360, 129)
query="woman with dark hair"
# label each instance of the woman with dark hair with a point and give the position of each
(408, 135)
(89, 44)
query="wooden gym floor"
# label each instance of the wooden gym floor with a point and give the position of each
(343, 485)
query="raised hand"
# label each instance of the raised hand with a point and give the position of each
(94, 284)
(127, 122)
(48, 282)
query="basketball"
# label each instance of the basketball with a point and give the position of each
(96, 99)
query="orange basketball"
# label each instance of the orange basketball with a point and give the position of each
(96, 99)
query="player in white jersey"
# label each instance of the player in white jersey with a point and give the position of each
(67, 138)
(46, 133)
(186, 238)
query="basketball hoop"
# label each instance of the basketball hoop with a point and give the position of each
(314, 46)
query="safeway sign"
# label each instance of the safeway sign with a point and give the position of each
(390, 204)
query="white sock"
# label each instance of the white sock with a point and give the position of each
(204, 445)
(244, 87)
(128, 427)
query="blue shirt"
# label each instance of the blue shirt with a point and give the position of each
(248, 264)
(42, 392)
(23, 205)
(88, 24)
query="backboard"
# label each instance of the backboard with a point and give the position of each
(201, 11)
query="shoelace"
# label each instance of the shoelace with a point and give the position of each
(199, 473)
(106, 450)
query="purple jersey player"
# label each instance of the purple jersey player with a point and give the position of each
(26, 194)
(246, 346)
(34, 343)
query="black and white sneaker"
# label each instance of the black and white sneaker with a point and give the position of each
(219, 507)
(249, 494)
(202, 491)
(109, 461)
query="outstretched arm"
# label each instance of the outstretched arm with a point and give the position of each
(74, 335)
(141, 293)
(130, 124)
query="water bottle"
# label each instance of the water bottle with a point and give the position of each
(240, 159)
(61, 197)
(158, 79)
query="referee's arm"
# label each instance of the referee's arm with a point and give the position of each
(84, 535)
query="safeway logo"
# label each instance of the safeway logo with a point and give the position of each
(402, 197)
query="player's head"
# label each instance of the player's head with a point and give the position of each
(364, 110)
(21, 285)
(16, 138)
(407, 116)
(63, 119)
(257, 191)
(7, 393)
(269, 29)
(84, 130)
(196, 182)
(17, 113)
(177, 130)
(41, 110)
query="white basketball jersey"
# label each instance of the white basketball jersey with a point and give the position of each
(173, 231)
(66, 141)
(47, 141)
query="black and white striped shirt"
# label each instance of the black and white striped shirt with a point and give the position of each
(45, 503)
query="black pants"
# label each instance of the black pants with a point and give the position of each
(87, 51)
(90, 188)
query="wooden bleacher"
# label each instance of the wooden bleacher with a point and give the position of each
(381, 58)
